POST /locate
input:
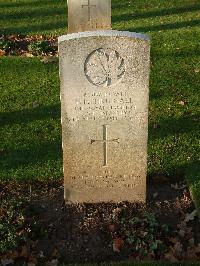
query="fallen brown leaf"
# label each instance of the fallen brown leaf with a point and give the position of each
(173, 239)
(32, 261)
(171, 258)
(48, 59)
(55, 253)
(24, 252)
(14, 255)
(28, 55)
(2, 52)
(191, 254)
(118, 244)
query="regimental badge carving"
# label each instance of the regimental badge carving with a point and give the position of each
(104, 67)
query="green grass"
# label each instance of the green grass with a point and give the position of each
(31, 138)
(33, 17)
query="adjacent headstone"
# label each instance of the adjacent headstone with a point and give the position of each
(89, 15)
(104, 95)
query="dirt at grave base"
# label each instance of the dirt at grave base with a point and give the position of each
(114, 232)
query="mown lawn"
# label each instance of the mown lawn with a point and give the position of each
(31, 138)
(30, 109)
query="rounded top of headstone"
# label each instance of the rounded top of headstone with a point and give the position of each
(103, 33)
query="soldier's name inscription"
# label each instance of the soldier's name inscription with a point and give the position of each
(105, 105)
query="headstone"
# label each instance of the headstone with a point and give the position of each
(89, 15)
(104, 96)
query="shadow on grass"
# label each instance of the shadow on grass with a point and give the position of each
(193, 173)
(154, 13)
(173, 126)
(34, 154)
(27, 4)
(31, 154)
(180, 52)
(51, 26)
(61, 24)
(35, 13)
(169, 26)
(29, 115)
(118, 4)
(186, 171)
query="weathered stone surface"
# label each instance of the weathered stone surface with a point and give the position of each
(104, 94)
(89, 15)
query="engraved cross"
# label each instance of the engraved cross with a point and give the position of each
(105, 143)
(89, 6)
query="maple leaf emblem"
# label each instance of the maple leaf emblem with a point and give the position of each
(104, 67)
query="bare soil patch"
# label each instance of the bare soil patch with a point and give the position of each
(28, 46)
(166, 228)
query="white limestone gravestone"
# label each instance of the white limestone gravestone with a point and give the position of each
(85, 15)
(104, 97)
